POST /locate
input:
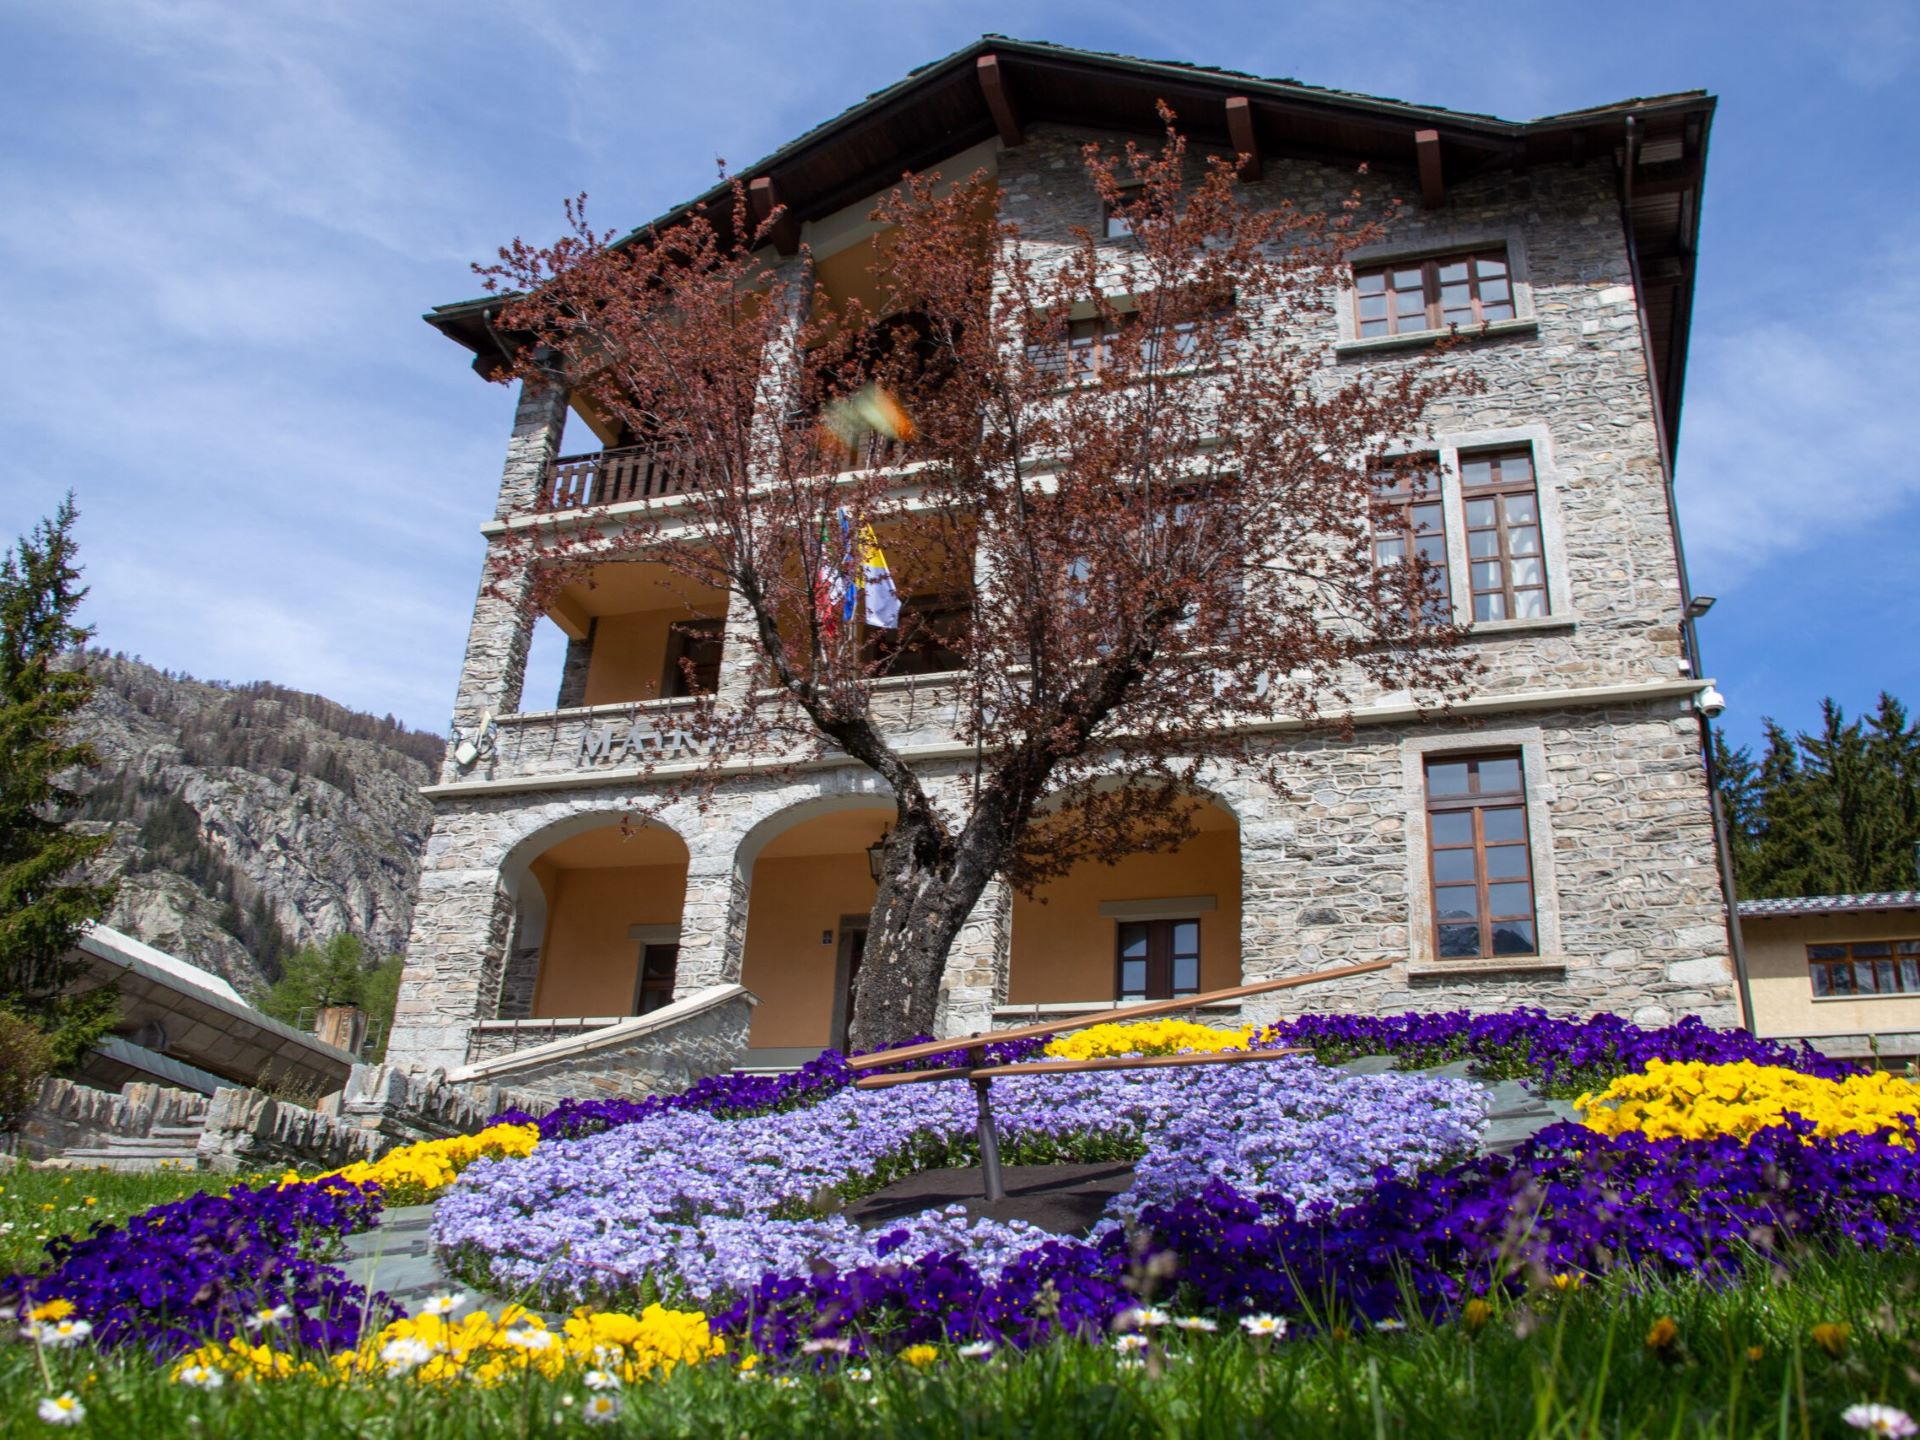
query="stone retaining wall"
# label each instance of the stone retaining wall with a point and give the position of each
(69, 1116)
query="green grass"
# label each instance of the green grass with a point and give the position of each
(1745, 1363)
(36, 1205)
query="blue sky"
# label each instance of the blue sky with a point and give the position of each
(219, 223)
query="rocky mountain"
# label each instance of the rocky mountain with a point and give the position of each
(251, 819)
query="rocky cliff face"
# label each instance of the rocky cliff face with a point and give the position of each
(250, 819)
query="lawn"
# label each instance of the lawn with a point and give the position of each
(1727, 1243)
(36, 1205)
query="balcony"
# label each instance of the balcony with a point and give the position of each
(650, 472)
(612, 477)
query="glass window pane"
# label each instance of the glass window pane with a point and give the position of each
(1510, 899)
(1841, 978)
(1453, 827)
(1530, 605)
(1186, 974)
(1524, 540)
(1907, 947)
(1133, 977)
(1370, 284)
(1492, 290)
(1486, 574)
(1521, 510)
(1480, 514)
(1909, 973)
(1372, 327)
(1456, 902)
(1496, 310)
(1389, 552)
(1410, 304)
(1476, 473)
(1463, 316)
(1490, 607)
(1863, 977)
(1490, 265)
(1456, 297)
(1872, 949)
(1407, 279)
(1501, 773)
(1527, 571)
(1373, 307)
(1821, 984)
(1133, 940)
(1426, 518)
(1886, 976)
(1453, 865)
(1452, 271)
(1459, 941)
(1482, 543)
(1433, 549)
(1509, 822)
(1514, 937)
(1507, 862)
(1447, 777)
(1517, 468)
(1186, 937)
(1826, 952)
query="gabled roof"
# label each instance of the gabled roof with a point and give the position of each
(1883, 900)
(998, 86)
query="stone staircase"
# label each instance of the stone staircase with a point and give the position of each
(165, 1147)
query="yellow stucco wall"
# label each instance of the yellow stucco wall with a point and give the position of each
(794, 901)
(629, 656)
(1063, 950)
(588, 960)
(1783, 1003)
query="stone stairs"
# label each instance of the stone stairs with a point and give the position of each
(165, 1147)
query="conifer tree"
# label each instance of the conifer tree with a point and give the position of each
(44, 901)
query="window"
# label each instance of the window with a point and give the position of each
(1414, 295)
(697, 643)
(1113, 224)
(1477, 851)
(1866, 967)
(1508, 572)
(1089, 349)
(1159, 959)
(1408, 519)
(654, 988)
(932, 630)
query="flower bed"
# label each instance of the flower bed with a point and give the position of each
(1695, 1101)
(686, 1204)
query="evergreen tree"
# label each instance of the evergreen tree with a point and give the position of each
(43, 904)
(1826, 813)
(337, 972)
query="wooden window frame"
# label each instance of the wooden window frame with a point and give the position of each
(1500, 491)
(1159, 959)
(646, 987)
(1894, 973)
(1478, 801)
(1400, 487)
(1433, 314)
(928, 613)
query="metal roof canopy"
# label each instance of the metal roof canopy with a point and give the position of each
(1862, 904)
(998, 85)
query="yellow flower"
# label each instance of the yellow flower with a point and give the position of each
(1475, 1313)
(1148, 1037)
(1694, 1100)
(1833, 1337)
(1664, 1332)
(1754, 1352)
(1568, 1282)
(51, 1310)
(919, 1356)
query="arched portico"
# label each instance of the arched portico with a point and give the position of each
(1156, 925)
(809, 890)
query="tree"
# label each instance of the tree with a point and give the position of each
(1833, 812)
(44, 902)
(338, 971)
(1151, 496)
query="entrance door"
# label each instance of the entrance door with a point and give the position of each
(853, 949)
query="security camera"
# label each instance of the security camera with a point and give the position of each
(1710, 702)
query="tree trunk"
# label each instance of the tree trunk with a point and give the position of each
(924, 899)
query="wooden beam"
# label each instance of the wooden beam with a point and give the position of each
(908, 1053)
(1245, 143)
(1433, 189)
(762, 200)
(1014, 1069)
(993, 84)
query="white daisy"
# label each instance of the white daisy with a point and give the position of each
(1874, 1419)
(405, 1354)
(444, 1303)
(975, 1350)
(601, 1408)
(1197, 1323)
(201, 1377)
(1130, 1344)
(63, 1409)
(1263, 1326)
(600, 1380)
(59, 1333)
(262, 1319)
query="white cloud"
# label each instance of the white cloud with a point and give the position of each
(1799, 429)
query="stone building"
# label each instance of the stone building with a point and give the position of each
(1548, 842)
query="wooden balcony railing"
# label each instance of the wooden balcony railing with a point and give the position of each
(608, 477)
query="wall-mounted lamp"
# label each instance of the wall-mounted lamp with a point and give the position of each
(1699, 606)
(876, 856)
